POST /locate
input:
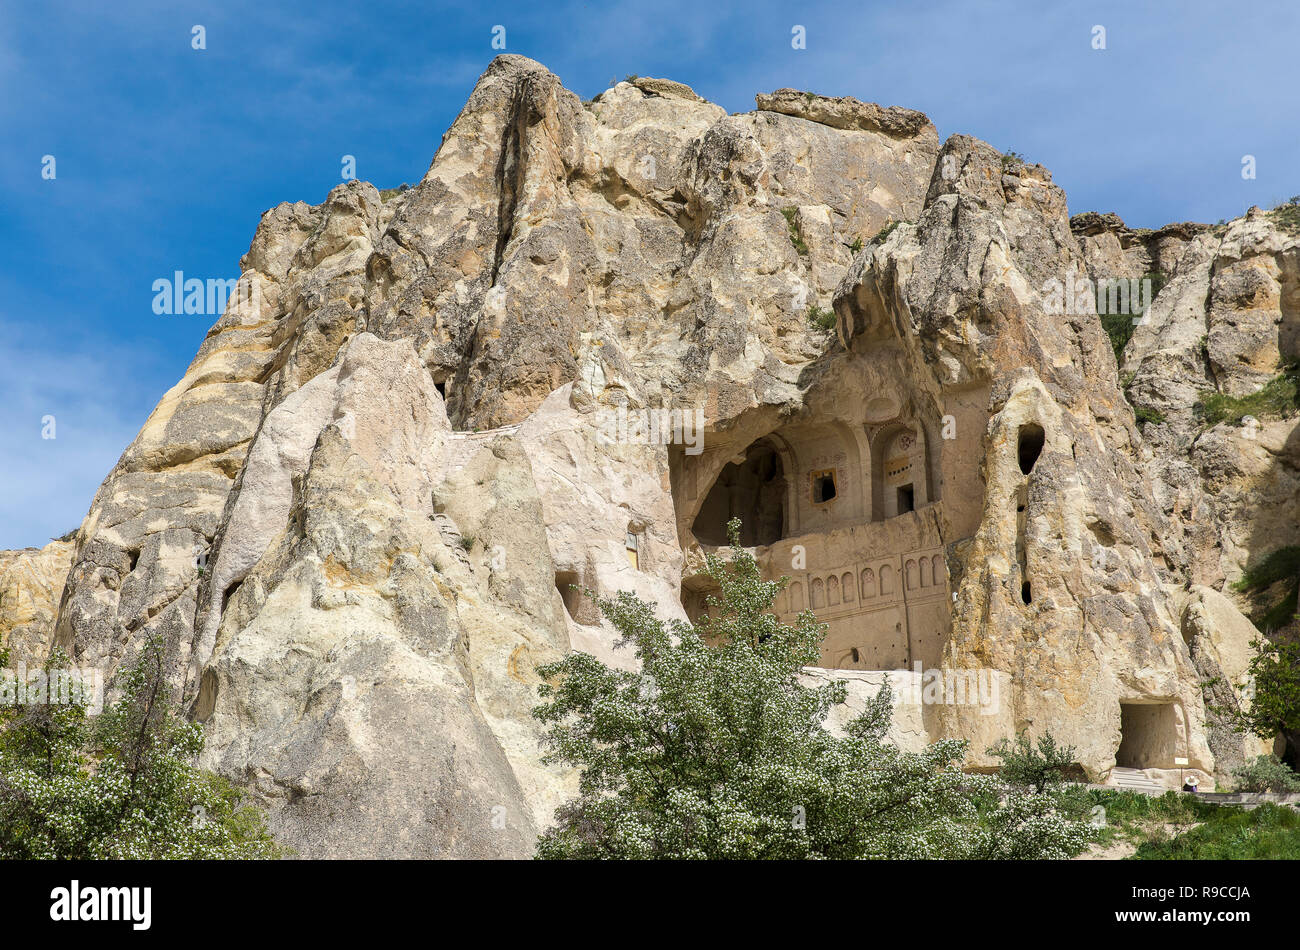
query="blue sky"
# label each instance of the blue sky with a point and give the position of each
(166, 156)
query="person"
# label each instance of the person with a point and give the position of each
(1190, 783)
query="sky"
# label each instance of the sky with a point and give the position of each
(165, 156)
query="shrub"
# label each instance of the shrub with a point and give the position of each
(1040, 767)
(1267, 773)
(821, 319)
(791, 223)
(1146, 416)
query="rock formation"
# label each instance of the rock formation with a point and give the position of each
(358, 519)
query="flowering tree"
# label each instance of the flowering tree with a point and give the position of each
(716, 749)
(120, 786)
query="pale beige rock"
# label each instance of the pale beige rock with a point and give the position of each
(31, 586)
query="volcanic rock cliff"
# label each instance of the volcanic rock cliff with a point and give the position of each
(356, 519)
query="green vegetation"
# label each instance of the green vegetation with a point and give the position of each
(1119, 330)
(1042, 767)
(120, 785)
(1279, 397)
(1012, 159)
(1267, 773)
(1275, 706)
(467, 542)
(856, 245)
(1119, 326)
(1231, 834)
(1177, 826)
(1146, 416)
(1278, 569)
(884, 232)
(716, 749)
(796, 238)
(821, 319)
(1287, 215)
(387, 194)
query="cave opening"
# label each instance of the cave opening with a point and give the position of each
(576, 604)
(1148, 735)
(752, 489)
(1030, 446)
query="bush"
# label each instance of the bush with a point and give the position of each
(122, 785)
(1146, 416)
(1040, 767)
(796, 238)
(1267, 773)
(821, 319)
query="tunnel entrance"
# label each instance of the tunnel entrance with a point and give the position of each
(1148, 735)
(753, 490)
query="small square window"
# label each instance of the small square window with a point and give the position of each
(823, 486)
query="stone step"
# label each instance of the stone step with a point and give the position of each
(1134, 780)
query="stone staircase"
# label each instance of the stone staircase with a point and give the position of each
(1134, 780)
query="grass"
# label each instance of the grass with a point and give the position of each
(795, 237)
(1269, 832)
(388, 193)
(1279, 397)
(1177, 826)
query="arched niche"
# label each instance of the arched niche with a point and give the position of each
(899, 470)
(754, 488)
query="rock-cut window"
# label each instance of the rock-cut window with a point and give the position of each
(823, 486)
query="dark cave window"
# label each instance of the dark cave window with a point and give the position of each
(823, 486)
(906, 499)
(1030, 447)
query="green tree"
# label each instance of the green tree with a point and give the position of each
(717, 749)
(120, 785)
(1275, 706)
(1041, 767)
